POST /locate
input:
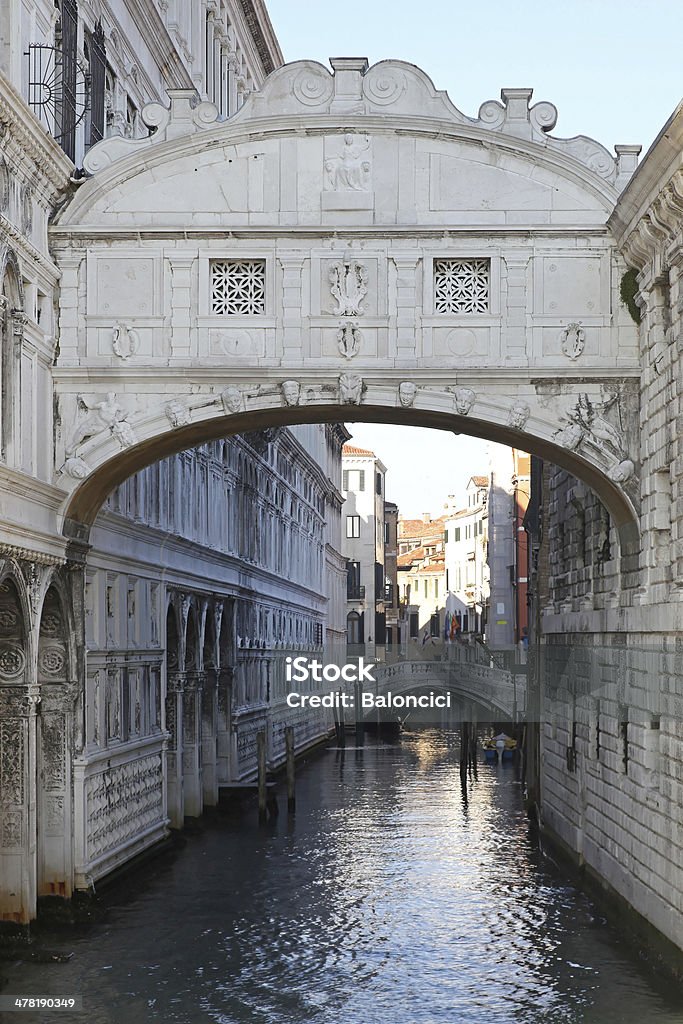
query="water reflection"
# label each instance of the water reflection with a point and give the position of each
(390, 898)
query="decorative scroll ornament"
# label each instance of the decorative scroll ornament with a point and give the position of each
(464, 400)
(349, 171)
(101, 416)
(291, 392)
(573, 340)
(351, 388)
(406, 393)
(518, 415)
(349, 286)
(349, 339)
(125, 341)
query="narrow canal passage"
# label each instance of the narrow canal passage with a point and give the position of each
(389, 900)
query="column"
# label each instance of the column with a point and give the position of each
(192, 747)
(175, 687)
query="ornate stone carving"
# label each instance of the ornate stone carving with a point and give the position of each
(52, 660)
(349, 286)
(291, 392)
(518, 415)
(125, 341)
(232, 398)
(12, 661)
(406, 393)
(570, 437)
(464, 400)
(12, 832)
(573, 340)
(103, 415)
(351, 388)
(621, 471)
(349, 339)
(313, 86)
(350, 170)
(75, 468)
(11, 760)
(178, 413)
(122, 802)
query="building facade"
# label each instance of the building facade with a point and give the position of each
(391, 592)
(466, 534)
(364, 546)
(422, 576)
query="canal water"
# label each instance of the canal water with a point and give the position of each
(389, 899)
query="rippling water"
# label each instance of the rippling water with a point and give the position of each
(389, 899)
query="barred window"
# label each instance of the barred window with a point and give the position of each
(238, 286)
(461, 286)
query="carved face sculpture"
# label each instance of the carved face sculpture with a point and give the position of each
(178, 414)
(351, 388)
(291, 391)
(519, 414)
(622, 472)
(406, 393)
(464, 400)
(231, 397)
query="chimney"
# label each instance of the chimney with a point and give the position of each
(426, 517)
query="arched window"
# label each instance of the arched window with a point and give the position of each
(354, 629)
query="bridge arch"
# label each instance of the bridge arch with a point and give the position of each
(349, 245)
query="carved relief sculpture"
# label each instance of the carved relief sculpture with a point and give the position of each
(350, 170)
(232, 399)
(351, 389)
(349, 286)
(406, 393)
(349, 339)
(125, 341)
(104, 415)
(573, 340)
(178, 414)
(464, 400)
(518, 415)
(291, 392)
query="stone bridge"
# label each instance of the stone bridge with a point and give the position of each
(349, 245)
(494, 689)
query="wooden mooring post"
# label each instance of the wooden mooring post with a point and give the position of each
(262, 785)
(291, 783)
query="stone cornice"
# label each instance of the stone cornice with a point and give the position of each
(161, 46)
(22, 246)
(28, 555)
(50, 162)
(649, 213)
(263, 34)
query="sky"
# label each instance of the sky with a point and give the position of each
(613, 69)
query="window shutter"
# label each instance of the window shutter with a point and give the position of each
(69, 43)
(97, 69)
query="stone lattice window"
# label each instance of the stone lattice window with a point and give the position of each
(238, 286)
(461, 286)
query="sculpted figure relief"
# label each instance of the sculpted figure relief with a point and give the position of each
(349, 286)
(104, 415)
(350, 389)
(406, 393)
(350, 171)
(464, 400)
(569, 437)
(291, 392)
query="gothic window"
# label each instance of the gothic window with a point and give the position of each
(461, 286)
(238, 286)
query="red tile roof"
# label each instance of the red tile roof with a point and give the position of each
(480, 481)
(350, 449)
